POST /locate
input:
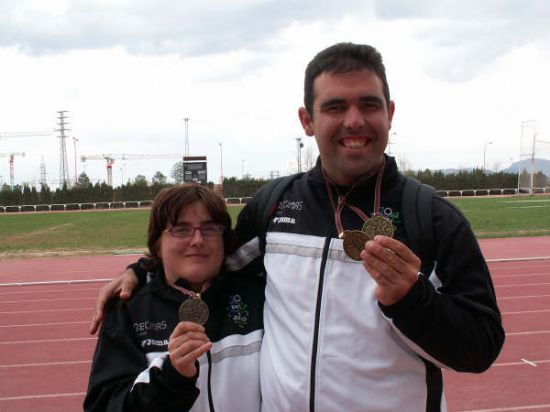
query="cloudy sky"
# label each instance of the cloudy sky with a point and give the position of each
(462, 74)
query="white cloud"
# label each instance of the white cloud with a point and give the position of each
(462, 73)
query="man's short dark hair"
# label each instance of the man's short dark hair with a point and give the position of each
(343, 58)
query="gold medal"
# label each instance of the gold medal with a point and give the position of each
(193, 309)
(382, 226)
(354, 243)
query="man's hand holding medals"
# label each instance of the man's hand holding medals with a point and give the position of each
(392, 265)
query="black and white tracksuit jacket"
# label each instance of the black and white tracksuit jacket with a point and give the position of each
(328, 344)
(131, 370)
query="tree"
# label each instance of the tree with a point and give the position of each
(84, 180)
(177, 172)
(159, 178)
(26, 195)
(233, 187)
(141, 180)
(45, 194)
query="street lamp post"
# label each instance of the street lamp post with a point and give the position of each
(221, 167)
(75, 172)
(484, 153)
(299, 146)
(242, 169)
(186, 120)
(391, 142)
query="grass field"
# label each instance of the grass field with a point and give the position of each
(88, 232)
(495, 217)
(119, 231)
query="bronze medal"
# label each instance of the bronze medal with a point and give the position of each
(370, 231)
(382, 226)
(354, 243)
(194, 309)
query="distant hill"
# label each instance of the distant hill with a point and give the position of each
(541, 165)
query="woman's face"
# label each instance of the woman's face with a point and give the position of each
(195, 258)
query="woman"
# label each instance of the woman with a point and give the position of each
(153, 354)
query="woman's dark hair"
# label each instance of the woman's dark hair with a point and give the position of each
(168, 205)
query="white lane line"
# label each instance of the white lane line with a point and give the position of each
(33, 365)
(513, 408)
(17, 312)
(522, 312)
(501, 274)
(56, 282)
(44, 324)
(526, 207)
(515, 285)
(522, 363)
(49, 395)
(530, 275)
(529, 362)
(516, 259)
(525, 201)
(499, 298)
(50, 300)
(12, 292)
(535, 332)
(22, 342)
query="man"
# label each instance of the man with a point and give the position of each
(343, 334)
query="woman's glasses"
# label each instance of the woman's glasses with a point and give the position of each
(186, 230)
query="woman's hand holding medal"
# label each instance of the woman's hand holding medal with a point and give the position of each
(187, 343)
(392, 265)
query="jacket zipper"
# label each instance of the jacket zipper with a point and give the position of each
(210, 399)
(316, 330)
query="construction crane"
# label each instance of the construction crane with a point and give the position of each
(15, 135)
(11, 156)
(110, 159)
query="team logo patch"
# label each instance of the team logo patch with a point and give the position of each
(237, 311)
(395, 217)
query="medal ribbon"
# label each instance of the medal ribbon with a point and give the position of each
(379, 171)
(195, 295)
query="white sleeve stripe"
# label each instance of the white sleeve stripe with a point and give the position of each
(232, 351)
(244, 255)
(156, 360)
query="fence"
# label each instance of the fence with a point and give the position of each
(492, 192)
(240, 201)
(76, 206)
(61, 207)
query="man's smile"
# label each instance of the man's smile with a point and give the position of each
(354, 142)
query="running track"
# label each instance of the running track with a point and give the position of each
(45, 349)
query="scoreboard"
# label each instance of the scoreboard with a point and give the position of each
(194, 169)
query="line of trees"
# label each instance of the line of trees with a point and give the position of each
(474, 179)
(83, 192)
(142, 189)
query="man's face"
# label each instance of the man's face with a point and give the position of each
(350, 123)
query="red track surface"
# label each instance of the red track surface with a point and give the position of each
(45, 349)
